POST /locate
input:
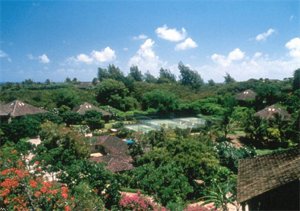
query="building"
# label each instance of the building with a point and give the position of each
(270, 182)
(271, 111)
(112, 151)
(89, 107)
(247, 95)
(18, 108)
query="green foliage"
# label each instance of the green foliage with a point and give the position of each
(67, 98)
(228, 79)
(93, 119)
(60, 147)
(21, 127)
(71, 118)
(161, 100)
(221, 194)
(165, 76)
(189, 77)
(96, 176)
(296, 80)
(195, 155)
(112, 72)
(229, 155)
(112, 92)
(167, 183)
(150, 78)
(135, 73)
(86, 198)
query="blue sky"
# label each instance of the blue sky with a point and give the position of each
(59, 39)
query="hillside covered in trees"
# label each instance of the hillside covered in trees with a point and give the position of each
(175, 167)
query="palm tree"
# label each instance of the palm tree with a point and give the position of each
(221, 194)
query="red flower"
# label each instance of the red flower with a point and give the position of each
(4, 192)
(33, 183)
(9, 183)
(37, 194)
(64, 192)
(67, 208)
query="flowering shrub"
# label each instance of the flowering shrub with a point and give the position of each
(23, 190)
(137, 202)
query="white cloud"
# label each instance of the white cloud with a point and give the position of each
(187, 44)
(106, 55)
(84, 58)
(257, 55)
(294, 47)
(236, 55)
(263, 36)
(145, 58)
(169, 34)
(261, 67)
(4, 55)
(225, 61)
(140, 37)
(44, 59)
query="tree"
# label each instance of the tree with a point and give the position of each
(21, 189)
(93, 119)
(60, 147)
(102, 74)
(135, 73)
(100, 180)
(211, 82)
(296, 80)
(150, 78)
(111, 92)
(221, 194)
(165, 76)
(95, 81)
(189, 77)
(22, 127)
(228, 79)
(67, 80)
(71, 118)
(115, 73)
(195, 155)
(66, 97)
(163, 101)
(47, 81)
(166, 182)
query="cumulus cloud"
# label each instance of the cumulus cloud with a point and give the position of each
(263, 36)
(186, 44)
(140, 37)
(4, 55)
(43, 59)
(171, 34)
(84, 58)
(145, 58)
(105, 55)
(294, 47)
(225, 61)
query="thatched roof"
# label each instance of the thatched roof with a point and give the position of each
(19, 108)
(116, 158)
(115, 163)
(246, 95)
(89, 107)
(112, 144)
(261, 174)
(271, 111)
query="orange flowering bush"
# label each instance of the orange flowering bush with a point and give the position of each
(21, 189)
